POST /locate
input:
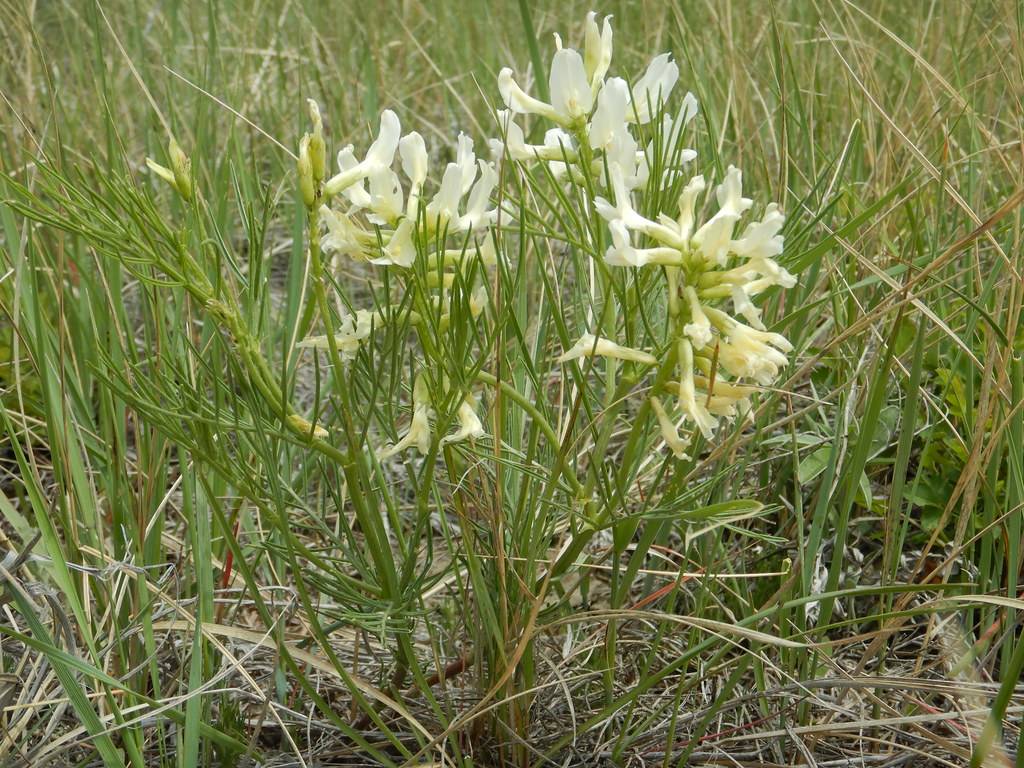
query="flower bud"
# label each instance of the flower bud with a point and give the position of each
(300, 424)
(181, 166)
(317, 147)
(304, 167)
(163, 172)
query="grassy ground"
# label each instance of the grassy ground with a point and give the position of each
(835, 583)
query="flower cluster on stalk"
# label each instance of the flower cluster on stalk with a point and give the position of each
(624, 147)
(364, 212)
(624, 139)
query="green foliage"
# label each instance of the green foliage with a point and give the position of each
(564, 586)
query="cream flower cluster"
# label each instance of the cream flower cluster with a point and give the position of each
(368, 214)
(620, 143)
(622, 137)
(382, 221)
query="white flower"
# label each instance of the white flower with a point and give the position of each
(465, 158)
(382, 150)
(748, 352)
(380, 155)
(477, 213)
(356, 191)
(418, 435)
(769, 271)
(669, 431)
(622, 253)
(726, 406)
(687, 201)
(664, 231)
(597, 50)
(723, 388)
(610, 116)
(571, 96)
(589, 345)
(773, 272)
(623, 154)
(672, 127)
(520, 102)
(413, 152)
(623, 209)
(742, 305)
(470, 426)
(442, 212)
(699, 327)
(343, 235)
(386, 203)
(351, 332)
(557, 145)
(666, 153)
(697, 411)
(445, 205)
(714, 238)
(653, 89)
(761, 239)
(400, 250)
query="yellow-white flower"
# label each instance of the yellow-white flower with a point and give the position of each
(714, 238)
(380, 155)
(352, 331)
(557, 145)
(699, 327)
(665, 230)
(706, 263)
(419, 435)
(413, 152)
(667, 153)
(589, 345)
(669, 430)
(470, 426)
(742, 305)
(687, 203)
(695, 410)
(621, 252)
(386, 203)
(653, 89)
(610, 116)
(571, 95)
(748, 352)
(761, 239)
(478, 213)
(400, 250)
(343, 235)
(597, 49)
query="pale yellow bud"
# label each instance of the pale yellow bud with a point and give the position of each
(300, 424)
(307, 186)
(317, 147)
(162, 171)
(181, 166)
